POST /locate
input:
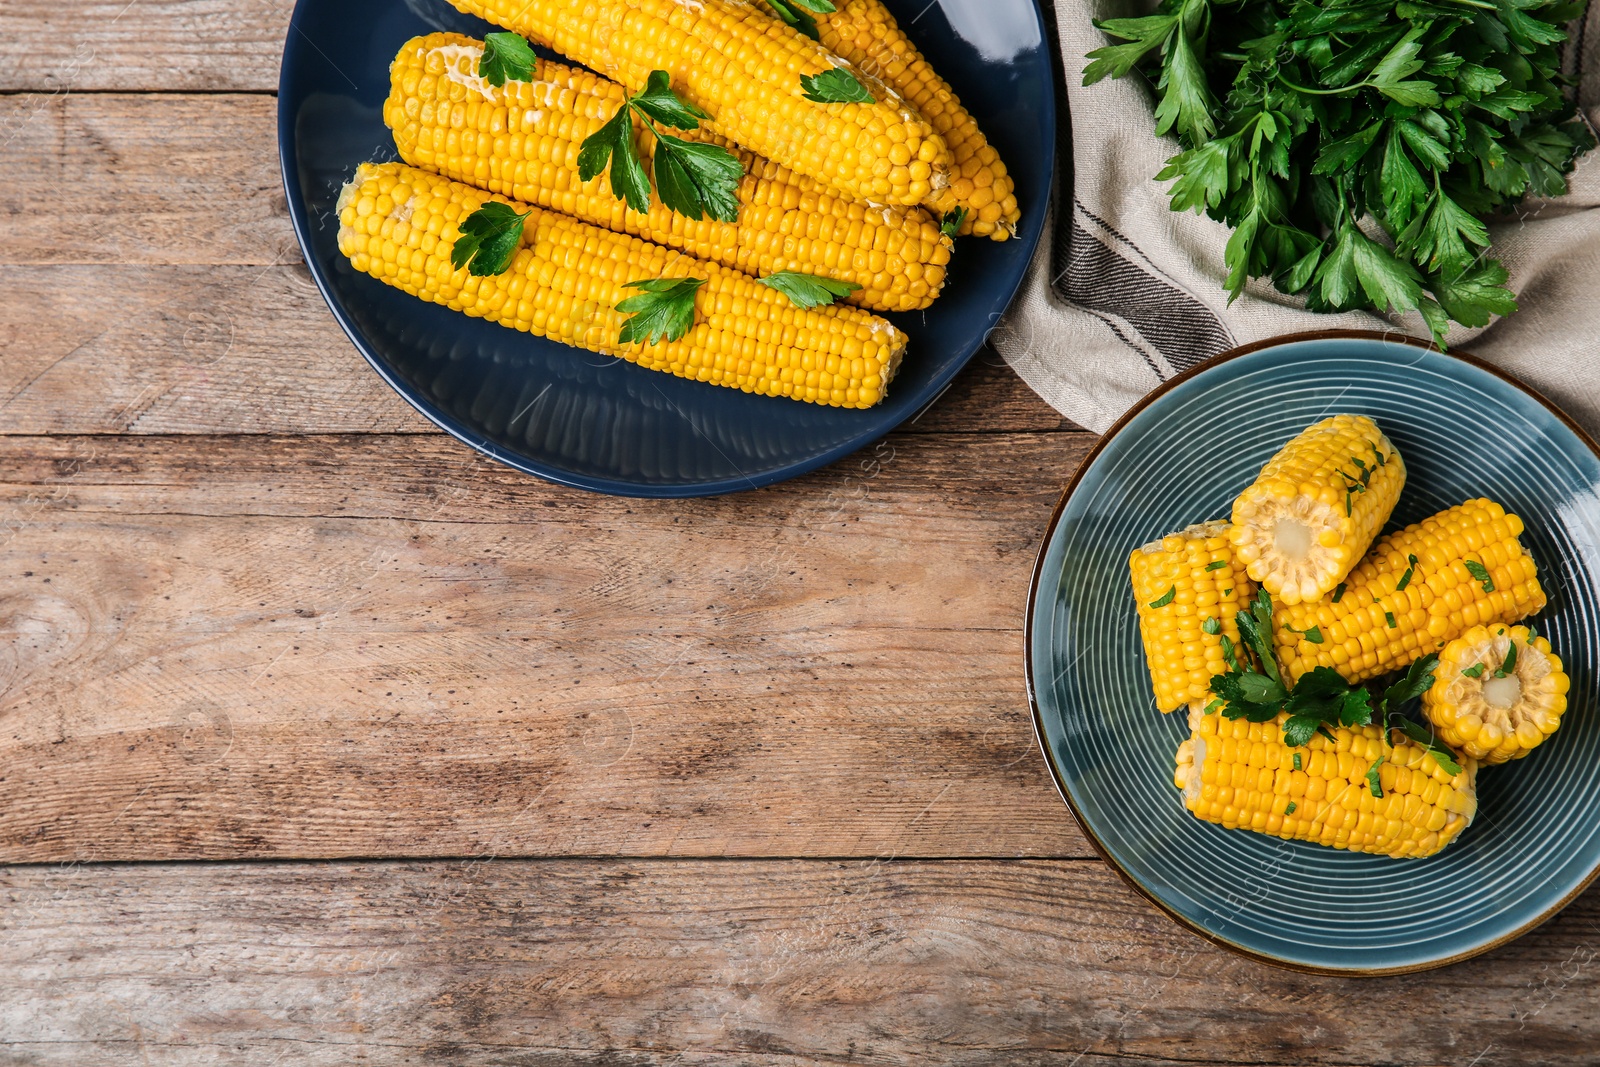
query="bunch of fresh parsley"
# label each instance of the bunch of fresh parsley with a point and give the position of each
(1254, 688)
(1303, 119)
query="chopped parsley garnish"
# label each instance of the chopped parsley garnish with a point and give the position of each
(507, 56)
(1297, 761)
(1338, 592)
(1373, 781)
(665, 308)
(1479, 573)
(1510, 664)
(836, 86)
(489, 238)
(1405, 579)
(1213, 707)
(1216, 564)
(692, 178)
(807, 290)
(1314, 635)
(1212, 625)
(950, 225)
(1475, 670)
(798, 13)
(1165, 598)
(1388, 617)
(1227, 592)
(1290, 809)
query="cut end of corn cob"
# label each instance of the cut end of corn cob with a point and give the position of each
(1493, 713)
(1309, 516)
(863, 32)
(1416, 590)
(1240, 775)
(743, 68)
(1188, 587)
(400, 225)
(522, 141)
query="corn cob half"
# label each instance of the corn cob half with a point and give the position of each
(400, 224)
(1189, 589)
(744, 68)
(1240, 774)
(1316, 506)
(1498, 693)
(521, 140)
(864, 32)
(1418, 589)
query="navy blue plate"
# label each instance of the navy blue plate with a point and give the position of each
(604, 424)
(1181, 456)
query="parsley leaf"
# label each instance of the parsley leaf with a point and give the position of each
(1425, 737)
(1338, 592)
(836, 86)
(1216, 564)
(1165, 598)
(507, 56)
(489, 238)
(613, 144)
(691, 175)
(1510, 664)
(950, 225)
(792, 12)
(1212, 625)
(811, 290)
(664, 309)
(1479, 573)
(1474, 671)
(659, 102)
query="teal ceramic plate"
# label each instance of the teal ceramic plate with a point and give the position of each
(1182, 455)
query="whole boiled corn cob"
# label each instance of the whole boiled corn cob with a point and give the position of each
(743, 68)
(1189, 589)
(1418, 589)
(1238, 773)
(521, 140)
(400, 225)
(863, 32)
(1316, 506)
(1491, 702)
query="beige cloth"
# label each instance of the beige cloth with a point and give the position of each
(1124, 292)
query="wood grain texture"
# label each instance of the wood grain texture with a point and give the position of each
(151, 45)
(367, 646)
(248, 350)
(730, 963)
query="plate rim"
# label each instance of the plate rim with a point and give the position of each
(1056, 777)
(288, 162)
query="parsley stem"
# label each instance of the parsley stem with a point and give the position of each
(1323, 92)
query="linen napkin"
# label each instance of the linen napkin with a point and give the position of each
(1124, 292)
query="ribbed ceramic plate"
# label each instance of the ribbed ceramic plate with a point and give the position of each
(1181, 456)
(601, 423)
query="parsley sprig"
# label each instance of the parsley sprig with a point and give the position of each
(507, 57)
(1253, 688)
(1355, 146)
(835, 86)
(489, 239)
(692, 178)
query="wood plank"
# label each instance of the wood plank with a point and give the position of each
(729, 963)
(160, 179)
(233, 349)
(366, 646)
(205, 45)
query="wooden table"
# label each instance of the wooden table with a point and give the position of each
(325, 741)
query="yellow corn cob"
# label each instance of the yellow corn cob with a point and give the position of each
(399, 224)
(863, 32)
(1240, 774)
(743, 68)
(1441, 599)
(1316, 506)
(1196, 581)
(1490, 716)
(521, 141)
